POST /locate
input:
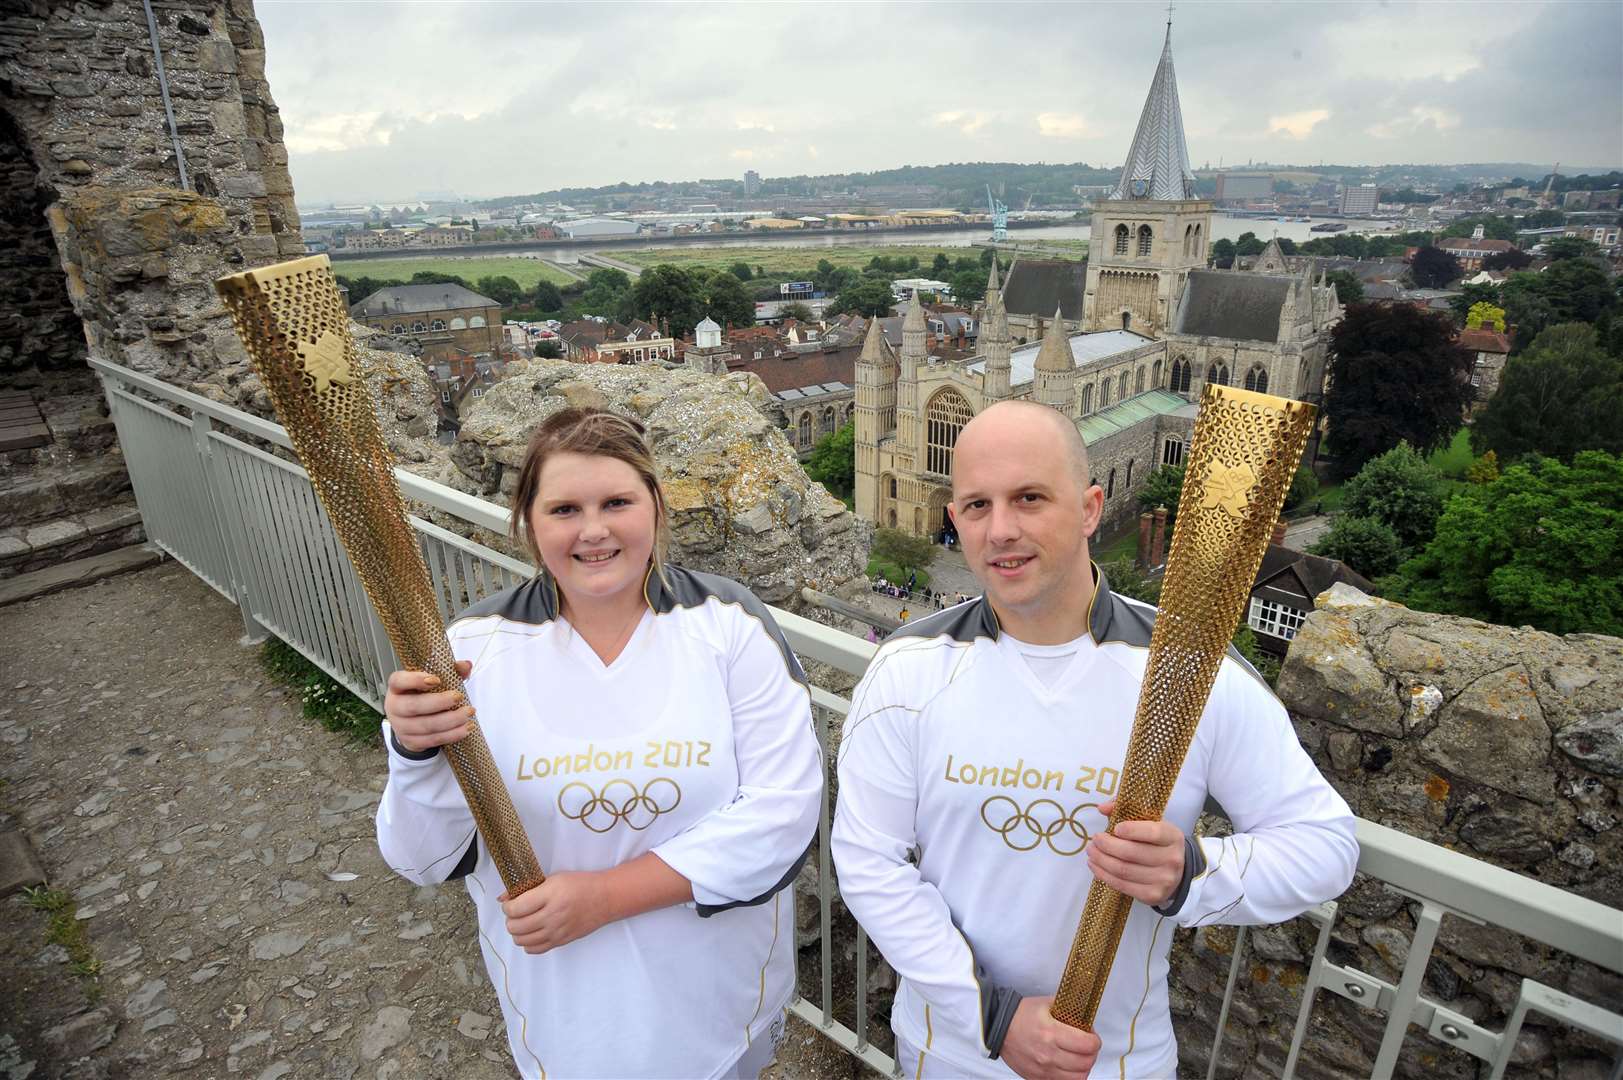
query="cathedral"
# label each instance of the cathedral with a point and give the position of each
(1126, 344)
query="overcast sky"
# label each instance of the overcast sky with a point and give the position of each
(387, 100)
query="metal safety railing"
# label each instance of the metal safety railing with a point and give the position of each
(248, 523)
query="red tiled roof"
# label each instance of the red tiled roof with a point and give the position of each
(794, 370)
(1483, 339)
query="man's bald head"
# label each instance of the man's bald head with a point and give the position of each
(1024, 422)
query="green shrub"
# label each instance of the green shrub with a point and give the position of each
(321, 697)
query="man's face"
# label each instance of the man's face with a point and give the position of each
(1024, 517)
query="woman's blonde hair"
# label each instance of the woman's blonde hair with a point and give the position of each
(594, 433)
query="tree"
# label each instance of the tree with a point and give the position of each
(1304, 485)
(1396, 374)
(1433, 268)
(546, 297)
(549, 349)
(1540, 546)
(1163, 487)
(500, 288)
(1368, 546)
(434, 277)
(1572, 290)
(1223, 252)
(1471, 295)
(1349, 290)
(605, 291)
(968, 286)
(1568, 247)
(1399, 490)
(1484, 470)
(721, 296)
(1561, 396)
(1483, 314)
(833, 461)
(1514, 259)
(740, 270)
(1248, 244)
(866, 297)
(667, 292)
(1493, 227)
(903, 550)
(362, 287)
(940, 265)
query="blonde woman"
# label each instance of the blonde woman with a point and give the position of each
(655, 732)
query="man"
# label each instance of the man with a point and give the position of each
(989, 740)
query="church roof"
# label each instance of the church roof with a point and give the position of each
(1158, 164)
(874, 348)
(914, 317)
(1235, 306)
(1085, 349)
(1037, 286)
(1134, 410)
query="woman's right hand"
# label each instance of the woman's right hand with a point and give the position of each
(421, 715)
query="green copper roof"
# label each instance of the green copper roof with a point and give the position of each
(1106, 422)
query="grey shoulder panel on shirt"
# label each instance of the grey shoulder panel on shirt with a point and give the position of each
(962, 622)
(534, 601)
(682, 588)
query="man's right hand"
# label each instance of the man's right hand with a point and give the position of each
(421, 715)
(1038, 1047)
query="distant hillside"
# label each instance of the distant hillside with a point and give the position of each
(963, 185)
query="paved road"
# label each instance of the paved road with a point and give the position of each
(222, 853)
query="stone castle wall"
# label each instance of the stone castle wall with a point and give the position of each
(80, 90)
(1503, 744)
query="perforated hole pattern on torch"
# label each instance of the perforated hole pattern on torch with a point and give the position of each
(293, 323)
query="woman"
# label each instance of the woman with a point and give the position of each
(655, 733)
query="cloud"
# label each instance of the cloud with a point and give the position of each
(1413, 121)
(966, 122)
(745, 123)
(336, 131)
(1061, 125)
(1297, 125)
(811, 152)
(742, 155)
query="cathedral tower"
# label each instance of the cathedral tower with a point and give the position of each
(996, 344)
(915, 354)
(875, 415)
(1152, 230)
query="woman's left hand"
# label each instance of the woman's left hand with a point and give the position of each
(563, 908)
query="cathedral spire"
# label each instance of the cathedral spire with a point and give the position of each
(1158, 164)
(1055, 377)
(875, 350)
(993, 289)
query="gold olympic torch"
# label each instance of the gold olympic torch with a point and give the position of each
(1243, 455)
(296, 330)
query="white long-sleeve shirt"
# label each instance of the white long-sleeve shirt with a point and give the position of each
(696, 743)
(955, 748)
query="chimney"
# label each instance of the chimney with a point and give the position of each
(1278, 538)
(1158, 542)
(1146, 522)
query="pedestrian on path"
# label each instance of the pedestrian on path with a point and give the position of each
(655, 733)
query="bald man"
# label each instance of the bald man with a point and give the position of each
(978, 770)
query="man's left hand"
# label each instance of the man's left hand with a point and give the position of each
(1143, 859)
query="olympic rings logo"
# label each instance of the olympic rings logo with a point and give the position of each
(1043, 822)
(620, 800)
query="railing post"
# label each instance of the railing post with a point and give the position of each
(1408, 992)
(224, 526)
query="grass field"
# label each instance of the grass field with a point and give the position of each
(524, 271)
(1453, 459)
(788, 260)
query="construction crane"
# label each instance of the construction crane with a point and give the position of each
(1000, 217)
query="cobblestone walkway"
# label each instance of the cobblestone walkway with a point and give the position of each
(222, 854)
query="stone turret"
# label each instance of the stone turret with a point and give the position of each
(996, 342)
(875, 414)
(1055, 378)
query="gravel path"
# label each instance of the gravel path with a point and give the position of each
(222, 855)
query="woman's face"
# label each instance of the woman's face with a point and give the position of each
(593, 521)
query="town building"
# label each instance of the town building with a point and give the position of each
(752, 182)
(1123, 343)
(441, 318)
(1490, 348)
(1471, 251)
(589, 341)
(592, 228)
(1282, 595)
(1359, 201)
(709, 353)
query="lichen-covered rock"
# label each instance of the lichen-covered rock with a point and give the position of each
(740, 503)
